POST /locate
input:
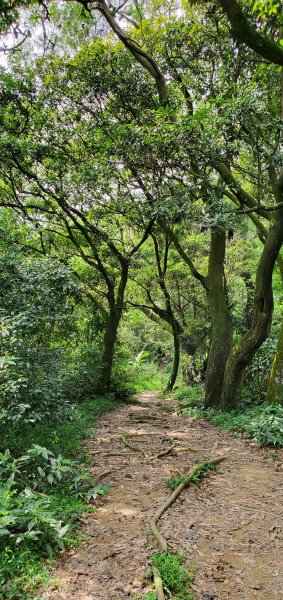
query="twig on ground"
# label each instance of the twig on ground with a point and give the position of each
(187, 449)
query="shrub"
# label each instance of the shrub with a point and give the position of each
(176, 578)
(262, 423)
(25, 513)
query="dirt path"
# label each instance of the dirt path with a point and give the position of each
(230, 528)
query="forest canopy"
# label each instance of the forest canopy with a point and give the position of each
(141, 146)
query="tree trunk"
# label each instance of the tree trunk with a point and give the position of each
(176, 360)
(109, 341)
(248, 310)
(275, 386)
(262, 317)
(111, 329)
(221, 320)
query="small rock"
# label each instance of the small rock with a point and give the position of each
(190, 535)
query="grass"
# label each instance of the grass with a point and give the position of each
(176, 577)
(24, 572)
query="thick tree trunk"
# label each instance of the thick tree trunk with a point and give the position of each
(109, 341)
(116, 306)
(262, 317)
(221, 320)
(176, 359)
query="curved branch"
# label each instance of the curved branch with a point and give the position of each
(242, 31)
(196, 274)
(140, 55)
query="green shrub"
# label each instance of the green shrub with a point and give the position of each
(262, 423)
(25, 513)
(26, 516)
(267, 426)
(190, 396)
(146, 376)
(22, 573)
(40, 484)
(176, 577)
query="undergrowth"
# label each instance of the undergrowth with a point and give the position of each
(176, 577)
(263, 423)
(44, 488)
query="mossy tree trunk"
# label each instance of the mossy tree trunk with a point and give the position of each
(116, 305)
(221, 320)
(241, 356)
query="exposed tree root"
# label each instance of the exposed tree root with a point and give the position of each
(143, 417)
(158, 584)
(187, 449)
(135, 448)
(172, 449)
(145, 454)
(163, 453)
(161, 510)
(121, 454)
(101, 475)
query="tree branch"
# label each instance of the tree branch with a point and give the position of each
(140, 55)
(242, 31)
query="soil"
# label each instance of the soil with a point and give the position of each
(230, 528)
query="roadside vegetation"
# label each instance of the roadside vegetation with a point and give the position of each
(262, 423)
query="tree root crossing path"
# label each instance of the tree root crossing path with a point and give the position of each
(230, 527)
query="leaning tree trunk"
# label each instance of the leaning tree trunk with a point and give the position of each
(241, 357)
(221, 320)
(176, 359)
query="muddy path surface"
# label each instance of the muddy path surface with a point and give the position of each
(230, 528)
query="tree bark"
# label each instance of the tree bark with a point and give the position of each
(176, 359)
(262, 317)
(109, 341)
(275, 386)
(248, 310)
(116, 306)
(221, 320)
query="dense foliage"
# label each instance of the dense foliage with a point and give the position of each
(141, 205)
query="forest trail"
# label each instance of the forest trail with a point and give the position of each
(230, 527)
